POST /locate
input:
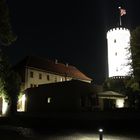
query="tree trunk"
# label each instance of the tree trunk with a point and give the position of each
(12, 107)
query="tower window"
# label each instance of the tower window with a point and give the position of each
(116, 53)
(114, 40)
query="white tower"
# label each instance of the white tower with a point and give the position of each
(118, 41)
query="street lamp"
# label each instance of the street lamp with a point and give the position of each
(100, 134)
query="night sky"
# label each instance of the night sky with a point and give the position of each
(72, 31)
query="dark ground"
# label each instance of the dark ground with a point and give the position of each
(82, 120)
(55, 124)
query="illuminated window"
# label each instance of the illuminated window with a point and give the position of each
(49, 100)
(48, 77)
(31, 74)
(40, 76)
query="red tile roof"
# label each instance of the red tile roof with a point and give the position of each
(52, 67)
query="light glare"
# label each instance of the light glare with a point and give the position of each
(100, 130)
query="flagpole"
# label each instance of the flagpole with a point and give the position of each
(120, 17)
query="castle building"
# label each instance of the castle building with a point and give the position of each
(118, 43)
(35, 71)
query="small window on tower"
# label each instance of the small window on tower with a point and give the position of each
(116, 53)
(114, 40)
(117, 69)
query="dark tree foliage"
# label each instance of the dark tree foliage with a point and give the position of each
(10, 82)
(117, 85)
(126, 86)
(6, 34)
(135, 50)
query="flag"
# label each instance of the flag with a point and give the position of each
(122, 12)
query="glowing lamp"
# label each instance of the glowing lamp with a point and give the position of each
(100, 130)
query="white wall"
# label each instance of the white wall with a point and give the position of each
(118, 40)
(35, 81)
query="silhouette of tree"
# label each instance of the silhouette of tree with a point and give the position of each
(9, 80)
(135, 50)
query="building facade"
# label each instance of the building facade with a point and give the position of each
(68, 96)
(36, 71)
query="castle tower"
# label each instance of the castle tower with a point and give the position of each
(118, 42)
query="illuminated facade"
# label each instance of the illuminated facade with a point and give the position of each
(118, 41)
(35, 71)
(111, 99)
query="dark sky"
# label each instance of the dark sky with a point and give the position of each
(72, 31)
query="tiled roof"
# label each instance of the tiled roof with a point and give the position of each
(52, 67)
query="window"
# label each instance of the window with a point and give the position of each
(55, 79)
(48, 77)
(31, 74)
(31, 85)
(116, 53)
(40, 76)
(49, 100)
(61, 79)
(114, 40)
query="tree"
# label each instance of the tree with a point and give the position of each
(134, 83)
(135, 50)
(10, 84)
(9, 80)
(126, 86)
(6, 34)
(117, 85)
